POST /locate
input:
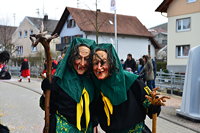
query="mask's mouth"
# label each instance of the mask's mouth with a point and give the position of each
(99, 72)
(79, 67)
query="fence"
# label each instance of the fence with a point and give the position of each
(15, 71)
(170, 81)
(163, 80)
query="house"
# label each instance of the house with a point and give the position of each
(132, 35)
(183, 30)
(28, 26)
(5, 37)
(159, 33)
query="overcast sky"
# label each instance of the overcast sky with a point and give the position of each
(12, 12)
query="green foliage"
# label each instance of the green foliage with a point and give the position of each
(162, 65)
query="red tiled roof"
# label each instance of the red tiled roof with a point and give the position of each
(164, 6)
(86, 21)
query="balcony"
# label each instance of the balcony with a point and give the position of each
(61, 46)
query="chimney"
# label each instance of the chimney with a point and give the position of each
(45, 17)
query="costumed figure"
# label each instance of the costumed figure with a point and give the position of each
(54, 66)
(121, 104)
(53, 70)
(4, 58)
(25, 71)
(72, 91)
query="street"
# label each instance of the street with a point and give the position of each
(20, 111)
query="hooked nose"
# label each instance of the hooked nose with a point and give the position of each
(99, 65)
(82, 61)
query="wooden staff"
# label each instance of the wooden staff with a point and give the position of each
(40, 38)
(156, 101)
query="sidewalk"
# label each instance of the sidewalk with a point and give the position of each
(168, 116)
(34, 85)
(168, 121)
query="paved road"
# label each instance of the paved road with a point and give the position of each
(19, 110)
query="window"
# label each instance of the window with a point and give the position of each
(164, 42)
(20, 34)
(182, 50)
(189, 1)
(81, 36)
(66, 39)
(149, 49)
(183, 24)
(71, 23)
(19, 50)
(33, 49)
(25, 33)
(31, 32)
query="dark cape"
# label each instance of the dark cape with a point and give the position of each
(126, 94)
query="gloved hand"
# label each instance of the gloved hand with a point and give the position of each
(41, 102)
(46, 85)
(153, 109)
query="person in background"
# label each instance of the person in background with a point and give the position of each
(122, 63)
(54, 66)
(25, 71)
(43, 74)
(148, 71)
(72, 91)
(59, 58)
(140, 67)
(4, 58)
(121, 105)
(154, 71)
(130, 63)
(53, 70)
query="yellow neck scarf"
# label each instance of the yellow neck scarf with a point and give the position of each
(79, 110)
(108, 108)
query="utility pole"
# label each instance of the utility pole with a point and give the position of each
(113, 7)
(38, 12)
(97, 30)
(14, 18)
(116, 42)
(78, 3)
(43, 8)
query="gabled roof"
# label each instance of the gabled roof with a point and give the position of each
(49, 24)
(86, 21)
(164, 6)
(162, 28)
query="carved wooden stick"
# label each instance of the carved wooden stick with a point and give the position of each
(40, 38)
(156, 101)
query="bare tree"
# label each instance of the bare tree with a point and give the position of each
(96, 21)
(6, 37)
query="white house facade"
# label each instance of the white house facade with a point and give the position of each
(183, 31)
(138, 45)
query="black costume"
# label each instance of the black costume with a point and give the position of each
(121, 105)
(71, 94)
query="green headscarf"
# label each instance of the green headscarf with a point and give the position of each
(115, 87)
(68, 79)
